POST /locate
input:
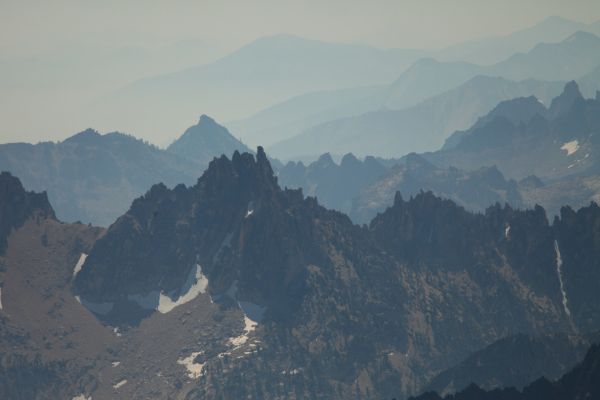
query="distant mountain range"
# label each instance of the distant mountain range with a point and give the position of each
(423, 127)
(93, 178)
(523, 137)
(493, 50)
(260, 74)
(362, 189)
(273, 70)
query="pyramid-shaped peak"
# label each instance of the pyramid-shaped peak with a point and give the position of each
(206, 140)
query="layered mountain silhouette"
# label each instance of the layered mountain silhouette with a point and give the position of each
(262, 73)
(427, 282)
(523, 137)
(474, 190)
(364, 188)
(492, 50)
(421, 127)
(93, 178)
(275, 69)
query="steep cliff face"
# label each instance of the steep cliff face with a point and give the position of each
(16, 205)
(339, 310)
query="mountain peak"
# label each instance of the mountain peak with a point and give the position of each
(205, 140)
(205, 119)
(565, 100)
(582, 36)
(325, 159)
(88, 136)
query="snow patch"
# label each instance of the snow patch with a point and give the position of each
(250, 209)
(96, 308)
(118, 385)
(507, 231)
(570, 147)
(82, 397)
(79, 264)
(1, 299)
(115, 364)
(195, 284)
(194, 369)
(560, 279)
(249, 327)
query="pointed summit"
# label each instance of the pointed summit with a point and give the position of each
(566, 99)
(206, 140)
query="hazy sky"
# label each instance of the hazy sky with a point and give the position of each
(57, 55)
(32, 26)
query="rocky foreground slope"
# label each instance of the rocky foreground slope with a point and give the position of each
(235, 288)
(330, 309)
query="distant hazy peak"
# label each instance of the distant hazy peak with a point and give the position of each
(326, 159)
(205, 119)
(582, 36)
(87, 136)
(205, 140)
(349, 159)
(565, 100)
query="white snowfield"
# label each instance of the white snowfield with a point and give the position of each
(79, 264)
(1, 298)
(194, 369)
(82, 397)
(570, 147)
(195, 284)
(121, 383)
(249, 327)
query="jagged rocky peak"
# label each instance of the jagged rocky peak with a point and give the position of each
(235, 224)
(566, 99)
(16, 205)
